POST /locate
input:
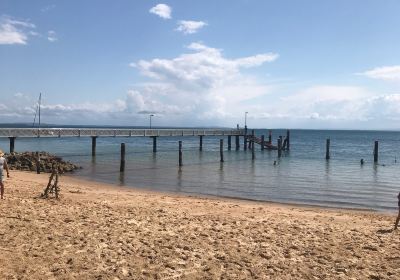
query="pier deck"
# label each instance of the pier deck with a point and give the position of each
(108, 132)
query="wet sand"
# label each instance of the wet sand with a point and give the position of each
(99, 231)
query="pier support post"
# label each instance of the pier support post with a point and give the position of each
(279, 147)
(122, 163)
(253, 137)
(262, 142)
(201, 143)
(270, 136)
(327, 154)
(245, 138)
(253, 155)
(376, 151)
(237, 142)
(12, 144)
(94, 138)
(221, 150)
(287, 140)
(180, 153)
(229, 142)
(154, 144)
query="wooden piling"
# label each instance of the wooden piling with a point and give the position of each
(279, 147)
(237, 142)
(245, 138)
(12, 144)
(201, 143)
(180, 153)
(253, 136)
(122, 163)
(262, 142)
(229, 142)
(287, 140)
(270, 137)
(154, 144)
(94, 138)
(327, 154)
(376, 151)
(253, 154)
(221, 150)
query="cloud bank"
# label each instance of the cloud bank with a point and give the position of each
(204, 87)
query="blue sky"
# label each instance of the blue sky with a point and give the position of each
(295, 64)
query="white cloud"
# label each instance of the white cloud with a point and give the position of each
(389, 73)
(199, 87)
(162, 10)
(52, 36)
(204, 87)
(327, 102)
(190, 26)
(202, 82)
(15, 31)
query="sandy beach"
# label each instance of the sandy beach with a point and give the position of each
(99, 231)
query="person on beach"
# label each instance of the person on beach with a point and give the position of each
(3, 165)
(398, 216)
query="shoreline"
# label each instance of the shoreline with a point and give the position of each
(84, 179)
(101, 231)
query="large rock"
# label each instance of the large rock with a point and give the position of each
(27, 161)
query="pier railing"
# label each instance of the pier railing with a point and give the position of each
(108, 132)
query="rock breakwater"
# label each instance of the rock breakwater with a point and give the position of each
(28, 161)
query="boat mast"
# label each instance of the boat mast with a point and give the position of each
(40, 100)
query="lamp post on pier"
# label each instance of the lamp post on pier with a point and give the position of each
(151, 115)
(245, 119)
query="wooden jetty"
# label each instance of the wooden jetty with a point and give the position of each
(94, 133)
(108, 132)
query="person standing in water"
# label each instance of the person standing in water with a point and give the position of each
(3, 165)
(398, 216)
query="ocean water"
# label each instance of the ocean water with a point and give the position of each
(301, 175)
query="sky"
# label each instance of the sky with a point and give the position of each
(290, 64)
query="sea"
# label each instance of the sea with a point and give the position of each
(301, 176)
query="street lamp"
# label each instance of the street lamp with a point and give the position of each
(245, 119)
(151, 115)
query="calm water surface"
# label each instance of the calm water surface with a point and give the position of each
(301, 175)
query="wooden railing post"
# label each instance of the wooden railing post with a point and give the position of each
(229, 142)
